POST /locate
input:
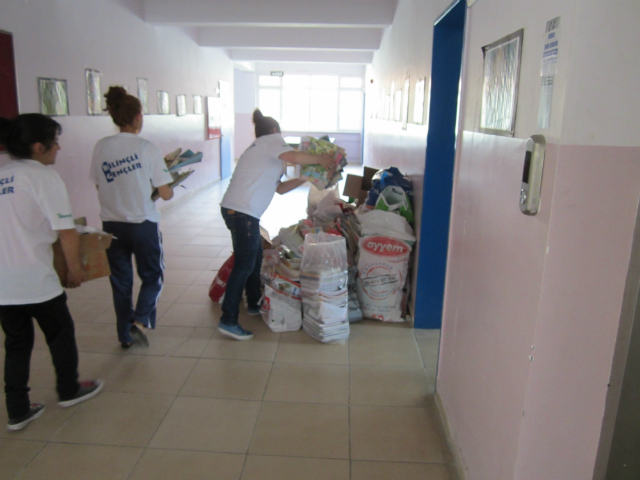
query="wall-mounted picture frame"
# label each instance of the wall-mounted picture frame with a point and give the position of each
(197, 104)
(397, 106)
(163, 103)
(501, 74)
(418, 101)
(181, 105)
(94, 100)
(214, 118)
(405, 103)
(143, 94)
(54, 101)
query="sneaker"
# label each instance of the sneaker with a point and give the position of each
(253, 311)
(235, 331)
(88, 389)
(138, 335)
(35, 410)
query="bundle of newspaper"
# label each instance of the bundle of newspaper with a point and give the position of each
(174, 162)
(316, 174)
(325, 296)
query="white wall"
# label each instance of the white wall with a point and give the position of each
(405, 51)
(60, 38)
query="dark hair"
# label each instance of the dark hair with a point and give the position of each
(264, 125)
(122, 107)
(19, 134)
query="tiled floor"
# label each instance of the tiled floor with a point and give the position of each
(196, 405)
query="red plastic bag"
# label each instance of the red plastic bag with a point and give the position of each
(219, 284)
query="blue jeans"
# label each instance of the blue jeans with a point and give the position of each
(247, 251)
(57, 325)
(144, 242)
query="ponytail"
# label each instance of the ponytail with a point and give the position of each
(264, 125)
(122, 107)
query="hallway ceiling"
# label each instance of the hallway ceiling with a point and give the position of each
(268, 33)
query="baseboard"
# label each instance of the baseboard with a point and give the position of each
(451, 440)
(190, 194)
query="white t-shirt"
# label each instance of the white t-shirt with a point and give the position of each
(33, 204)
(256, 176)
(124, 167)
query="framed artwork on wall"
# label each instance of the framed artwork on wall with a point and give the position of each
(163, 103)
(214, 118)
(418, 102)
(143, 95)
(53, 97)
(92, 78)
(181, 105)
(197, 104)
(405, 103)
(500, 85)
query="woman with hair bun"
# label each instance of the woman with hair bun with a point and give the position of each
(34, 212)
(255, 180)
(125, 169)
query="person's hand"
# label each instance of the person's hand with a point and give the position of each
(74, 278)
(327, 162)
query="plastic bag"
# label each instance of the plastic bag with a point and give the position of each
(394, 199)
(323, 277)
(316, 196)
(282, 313)
(385, 178)
(219, 284)
(355, 313)
(385, 223)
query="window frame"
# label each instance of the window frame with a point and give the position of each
(339, 89)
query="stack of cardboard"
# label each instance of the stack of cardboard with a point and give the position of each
(175, 161)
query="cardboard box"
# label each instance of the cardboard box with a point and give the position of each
(93, 254)
(357, 187)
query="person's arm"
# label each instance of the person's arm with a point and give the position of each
(304, 158)
(166, 192)
(70, 241)
(284, 187)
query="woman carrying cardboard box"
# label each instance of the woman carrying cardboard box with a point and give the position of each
(35, 211)
(125, 169)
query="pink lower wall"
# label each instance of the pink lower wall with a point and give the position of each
(169, 132)
(495, 268)
(533, 305)
(590, 234)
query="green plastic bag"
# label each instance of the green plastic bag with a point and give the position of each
(394, 199)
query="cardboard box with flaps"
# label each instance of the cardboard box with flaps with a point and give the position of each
(93, 253)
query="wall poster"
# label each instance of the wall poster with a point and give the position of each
(181, 105)
(500, 85)
(163, 103)
(405, 103)
(214, 118)
(53, 97)
(418, 102)
(143, 95)
(92, 78)
(197, 104)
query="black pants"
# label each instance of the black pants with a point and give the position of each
(57, 325)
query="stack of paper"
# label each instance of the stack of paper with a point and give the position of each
(175, 161)
(316, 174)
(325, 302)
